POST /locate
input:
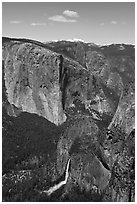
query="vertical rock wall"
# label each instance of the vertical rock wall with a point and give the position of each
(32, 80)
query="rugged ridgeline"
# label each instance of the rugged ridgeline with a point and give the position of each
(78, 99)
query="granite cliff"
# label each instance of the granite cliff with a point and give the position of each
(52, 84)
(83, 96)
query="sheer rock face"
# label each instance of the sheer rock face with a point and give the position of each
(32, 80)
(38, 80)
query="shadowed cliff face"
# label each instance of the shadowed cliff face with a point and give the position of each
(74, 102)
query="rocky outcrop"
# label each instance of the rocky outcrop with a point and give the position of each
(80, 144)
(41, 81)
(72, 50)
(87, 91)
(124, 118)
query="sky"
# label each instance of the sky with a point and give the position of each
(96, 22)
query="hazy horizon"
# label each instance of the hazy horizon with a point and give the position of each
(95, 22)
